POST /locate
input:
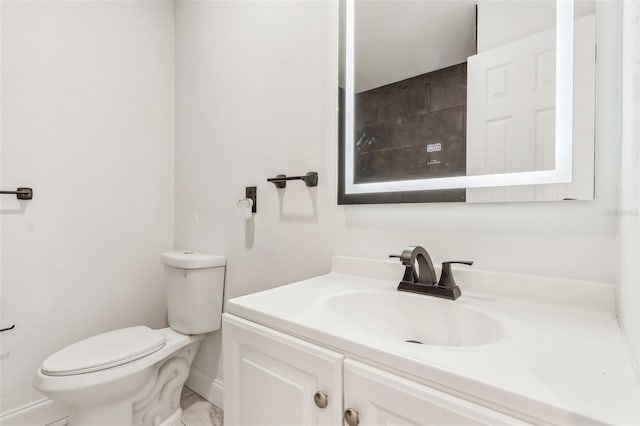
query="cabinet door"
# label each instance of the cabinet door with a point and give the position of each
(381, 398)
(271, 378)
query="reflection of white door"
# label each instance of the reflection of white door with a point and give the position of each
(511, 113)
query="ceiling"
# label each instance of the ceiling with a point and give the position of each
(398, 39)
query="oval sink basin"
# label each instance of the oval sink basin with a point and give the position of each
(412, 318)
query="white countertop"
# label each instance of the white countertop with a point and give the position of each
(562, 360)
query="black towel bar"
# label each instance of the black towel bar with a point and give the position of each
(280, 181)
(21, 193)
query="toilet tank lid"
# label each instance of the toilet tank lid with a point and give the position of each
(186, 259)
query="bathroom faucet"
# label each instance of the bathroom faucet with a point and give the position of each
(426, 273)
(424, 281)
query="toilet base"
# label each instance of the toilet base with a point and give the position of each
(159, 401)
(153, 398)
(117, 414)
(105, 415)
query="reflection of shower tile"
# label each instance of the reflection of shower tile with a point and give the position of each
(449, 87)
(446, 126)
(393, 103)
(392, 135)
(439, 126)
(419, 96)
(365, 109)
(411, 162)
(395, 123)
(365, 138)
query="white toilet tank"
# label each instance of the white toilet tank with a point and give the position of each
(195, 286)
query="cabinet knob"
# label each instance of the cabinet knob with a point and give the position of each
(321, 399)
(352, 417)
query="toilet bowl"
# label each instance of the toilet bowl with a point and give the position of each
(135, 375)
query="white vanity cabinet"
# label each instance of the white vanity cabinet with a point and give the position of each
(382, 398)
(272, 378)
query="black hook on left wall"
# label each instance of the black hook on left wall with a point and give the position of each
(8, 328)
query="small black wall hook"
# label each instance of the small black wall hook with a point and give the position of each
(280, 181)
(8, 328)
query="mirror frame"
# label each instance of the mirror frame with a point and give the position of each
(425, 190)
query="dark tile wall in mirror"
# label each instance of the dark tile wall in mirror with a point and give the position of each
(413, 129)
(427, 196)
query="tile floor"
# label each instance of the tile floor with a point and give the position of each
(198, 411)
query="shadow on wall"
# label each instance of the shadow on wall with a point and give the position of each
(250, 233)
(17, 207)
(296, 207)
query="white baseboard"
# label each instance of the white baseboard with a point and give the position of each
(38, 413)
(210, 388)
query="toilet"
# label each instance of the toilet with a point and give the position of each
(135, 375)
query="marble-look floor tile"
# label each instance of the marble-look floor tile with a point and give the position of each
(200, 412)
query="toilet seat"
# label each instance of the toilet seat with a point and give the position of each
(104, 351)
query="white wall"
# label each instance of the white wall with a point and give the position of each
(88, 122)
(255, 96)
(396, 40)
(629, 290)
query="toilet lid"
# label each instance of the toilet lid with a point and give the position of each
(104, 351)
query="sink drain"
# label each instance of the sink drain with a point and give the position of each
(414, 341)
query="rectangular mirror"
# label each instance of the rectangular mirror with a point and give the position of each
(466, 100)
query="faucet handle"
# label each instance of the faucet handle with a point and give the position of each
(446, 276)
(463, 262)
